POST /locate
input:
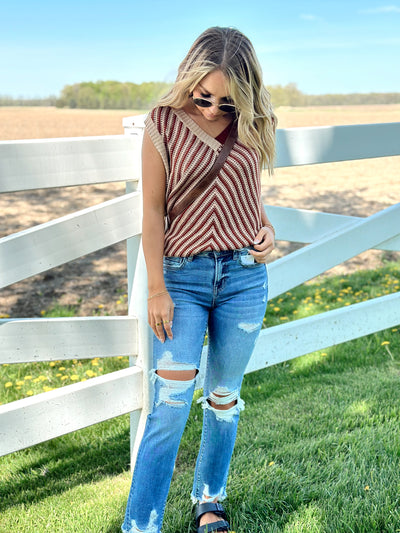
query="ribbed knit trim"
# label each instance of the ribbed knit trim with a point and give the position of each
(158, 141)
(195, 128)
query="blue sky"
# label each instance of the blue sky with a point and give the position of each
(337, 46)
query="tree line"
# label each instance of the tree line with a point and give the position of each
(118, 95)
(290, 95)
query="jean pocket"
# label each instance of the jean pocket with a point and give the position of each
(174, 263)
(247, 261)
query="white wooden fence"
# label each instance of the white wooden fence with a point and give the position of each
(41, 164)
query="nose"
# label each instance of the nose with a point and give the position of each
(215, 109)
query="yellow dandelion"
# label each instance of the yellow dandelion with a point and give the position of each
(100, 306)
(394, 330)
(366, 487)
(324, 354)
(61, 368)
(283, 318)
(83, 379)
(20, 383)
(63, 378)
(36, 380)
(385, 343)
(75, 361)
(74, 377)
(8, 384)
(271, 463)
(52, 364)
(276, 309)
(119, 302)
(42, 378)
(28, 377)
(58, 375)
(95, 362)
(29, 393)
(5, 316)
(46, 388)
(42, 312)
(90, 373)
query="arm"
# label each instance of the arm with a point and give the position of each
(160, 305)
(264, 242)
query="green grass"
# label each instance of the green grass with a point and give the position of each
(318, 447)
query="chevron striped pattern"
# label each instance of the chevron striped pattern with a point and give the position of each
(227, 216)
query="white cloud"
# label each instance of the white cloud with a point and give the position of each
(309, 16)
(381, 9)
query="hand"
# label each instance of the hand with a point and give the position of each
(264, 243)
(160, 312)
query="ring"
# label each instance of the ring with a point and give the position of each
(158, 323)
(167, 321)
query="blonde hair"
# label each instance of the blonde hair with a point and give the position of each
(228, 50)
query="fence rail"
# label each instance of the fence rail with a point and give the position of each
(49, 163)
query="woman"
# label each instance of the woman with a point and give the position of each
(205, 268)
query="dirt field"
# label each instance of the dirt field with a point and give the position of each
(96, 284)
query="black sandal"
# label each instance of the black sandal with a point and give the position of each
(215, 508)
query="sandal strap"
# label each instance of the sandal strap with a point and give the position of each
(209, 507)
(221, 525)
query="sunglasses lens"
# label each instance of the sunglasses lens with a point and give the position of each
(227, 108)
(202, 102)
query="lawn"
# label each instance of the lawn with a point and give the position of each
(318, 446)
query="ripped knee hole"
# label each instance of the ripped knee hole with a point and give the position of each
(177, 375)
(222, 407)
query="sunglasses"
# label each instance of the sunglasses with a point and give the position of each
(208, 102)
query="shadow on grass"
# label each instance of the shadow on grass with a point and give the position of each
(115, 527)
(58, 467)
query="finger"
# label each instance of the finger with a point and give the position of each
(159, 331)
(267, 240)
(168, 328)
(259, 237)
(261, 257)
(263, 251)
(167, 322)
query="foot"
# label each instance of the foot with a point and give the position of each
(209, 518)
(212, 514)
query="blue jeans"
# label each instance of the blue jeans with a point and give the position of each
(226, 294)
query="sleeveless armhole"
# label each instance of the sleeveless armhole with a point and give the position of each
(157, 140)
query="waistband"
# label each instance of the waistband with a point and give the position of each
(229, 254)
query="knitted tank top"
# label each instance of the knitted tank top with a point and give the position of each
(226, 216)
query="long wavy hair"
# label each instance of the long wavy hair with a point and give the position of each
(231, 52)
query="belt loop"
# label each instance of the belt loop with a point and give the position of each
(237, 253)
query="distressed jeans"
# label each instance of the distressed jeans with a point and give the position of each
(224, 294)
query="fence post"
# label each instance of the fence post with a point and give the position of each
(137, 305)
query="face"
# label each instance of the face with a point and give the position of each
(213, 87)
